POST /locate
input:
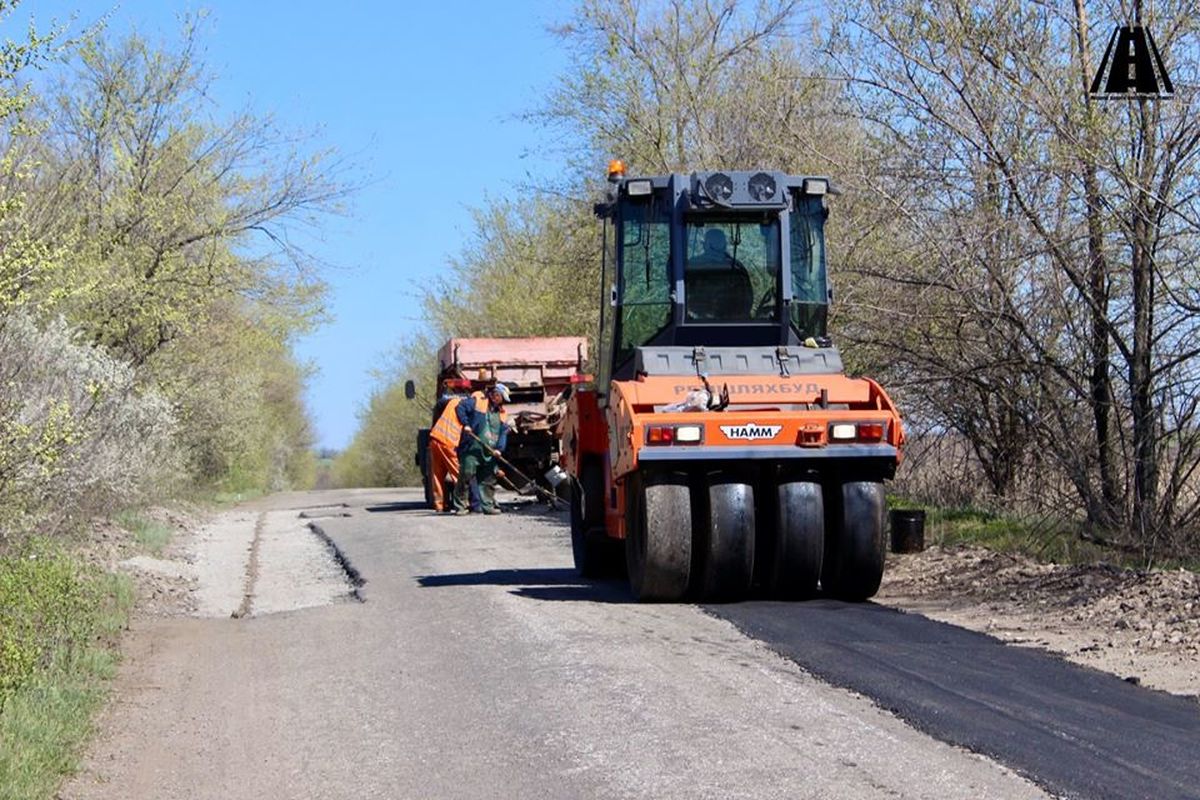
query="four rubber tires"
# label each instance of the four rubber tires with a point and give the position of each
(694, 536)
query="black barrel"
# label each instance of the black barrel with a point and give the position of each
(908, 530)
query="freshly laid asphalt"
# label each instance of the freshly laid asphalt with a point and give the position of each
(1074, 731)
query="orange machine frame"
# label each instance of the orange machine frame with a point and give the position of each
(797, 411)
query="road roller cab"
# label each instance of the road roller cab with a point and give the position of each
(722, 448)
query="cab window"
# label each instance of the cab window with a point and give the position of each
(731, 269)
(645, 280)
(810, 290)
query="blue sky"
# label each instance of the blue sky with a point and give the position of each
(422, 97)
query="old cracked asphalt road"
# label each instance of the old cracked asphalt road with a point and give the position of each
(479, 667)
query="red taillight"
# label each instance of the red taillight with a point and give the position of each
(870, 431)
(581, 378)
(660, 434)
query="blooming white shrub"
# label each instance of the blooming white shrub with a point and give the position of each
(78, 434)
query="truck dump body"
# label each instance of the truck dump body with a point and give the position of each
(536, 370)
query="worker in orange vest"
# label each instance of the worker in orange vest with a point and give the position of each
(443, 456)
(444, 439)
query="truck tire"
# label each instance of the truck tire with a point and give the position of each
(595, 555)
(856, 542)
(658, 536)
(727, 533)
(799, 540)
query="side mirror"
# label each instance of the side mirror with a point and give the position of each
(410, 390)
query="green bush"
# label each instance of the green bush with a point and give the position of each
(58, 624)
(52, 609)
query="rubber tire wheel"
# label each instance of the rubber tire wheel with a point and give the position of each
(799, 540)
(591, 548)
(728, 535)
(856, 544)
(658, 536)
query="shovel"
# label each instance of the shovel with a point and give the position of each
(528, 487)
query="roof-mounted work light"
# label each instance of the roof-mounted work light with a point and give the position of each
(638, 188)
(816, 186)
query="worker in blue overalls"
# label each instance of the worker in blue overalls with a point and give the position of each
(485, 434)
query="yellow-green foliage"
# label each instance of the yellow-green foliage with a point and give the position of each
(24, 254)
(157, 230)
(239, 392)
(168, 209)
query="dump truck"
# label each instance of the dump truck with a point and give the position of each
(537, 371)
(721, 448)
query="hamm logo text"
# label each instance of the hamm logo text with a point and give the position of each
(751, 431)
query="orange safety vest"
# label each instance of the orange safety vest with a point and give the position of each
(481, 405)
(447, 430)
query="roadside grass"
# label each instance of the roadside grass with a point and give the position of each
(59, 623)
(150, 534)
(1050, 538)
(217, 498)
(229, 498)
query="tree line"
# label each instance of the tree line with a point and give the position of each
(149, 290)
(1014, 260)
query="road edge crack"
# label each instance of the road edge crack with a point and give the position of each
(357, 581)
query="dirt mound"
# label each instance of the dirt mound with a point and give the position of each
(163, 584)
